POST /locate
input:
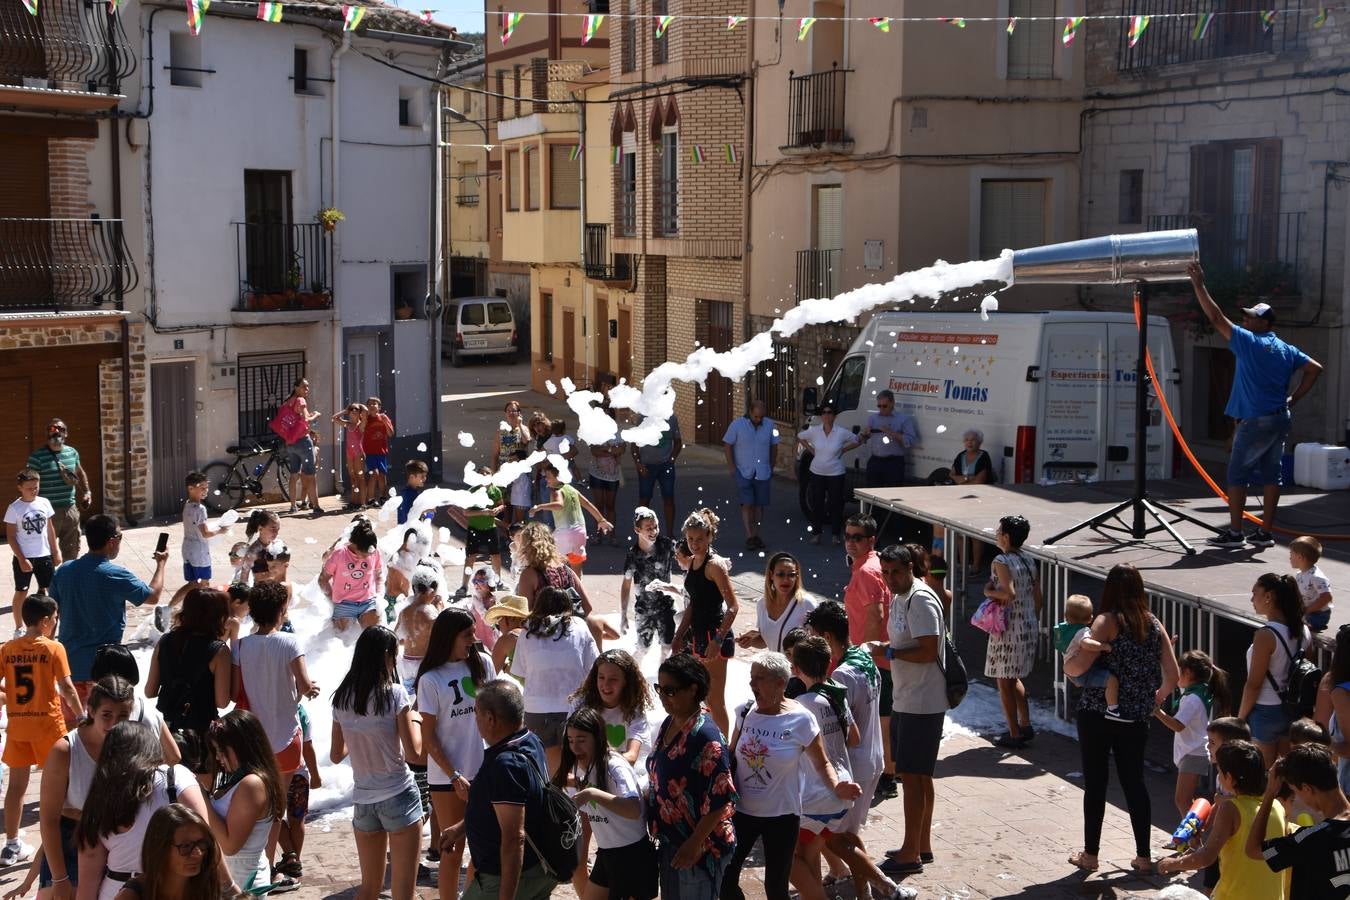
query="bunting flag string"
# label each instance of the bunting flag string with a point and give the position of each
(733, 21)
(196, 9)
(352, 16)
(804, 27)
(732, 156)
(31, 6)
(1071, 27)
(427, 14)
(269, 12)
(1012, 24)
(615, 155)
(696, 155)
(1268, 19)
(662, 24)
(959, 23)
(1137, 26)
(112, 6)
(1321, 17)
(593, 23)
(509, 22)
(881, 23)
(574, 154)
(1202, 27)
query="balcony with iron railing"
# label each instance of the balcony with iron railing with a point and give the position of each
(1264, 248)
(816, 109)
(602, 264)
(1238, 28)
(817, 273)
(65, 58)
(61, 265)
(283, 266)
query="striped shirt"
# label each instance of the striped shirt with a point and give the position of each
(48, 464)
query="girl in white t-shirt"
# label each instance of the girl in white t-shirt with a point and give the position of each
(130, 783)
(605, 789)
(1204, 696)
(374, 723)
(616, 689)
(553, 654)
(448, 679)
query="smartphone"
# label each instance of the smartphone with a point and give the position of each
(163, 543)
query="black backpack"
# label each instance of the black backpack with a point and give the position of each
(556, 840)
(950, 664)
(1300, 690)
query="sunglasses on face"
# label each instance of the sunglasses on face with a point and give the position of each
(785, 574)
(669, 690)
(187, 847)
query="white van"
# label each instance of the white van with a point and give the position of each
(477, 326)
(1053, 392)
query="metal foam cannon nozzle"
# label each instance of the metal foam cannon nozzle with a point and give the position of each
(1152, 256)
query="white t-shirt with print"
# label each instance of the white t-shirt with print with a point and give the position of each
(817, 798)
(447, 692)
(31, 520)
(196, 549)
(379, 770)
(1312, 583)
(770, 759)
(612, 831)
(552, 666)
(864, 697)
(264, 661)
(619, 732)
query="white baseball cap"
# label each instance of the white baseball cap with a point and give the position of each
(1260, 311)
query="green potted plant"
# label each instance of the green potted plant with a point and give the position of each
(328, 217)
(315, 298)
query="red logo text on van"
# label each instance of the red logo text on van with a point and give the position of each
(945, 337)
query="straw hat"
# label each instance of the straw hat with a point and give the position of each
(510, 606)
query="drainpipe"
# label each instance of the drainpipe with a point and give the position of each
(581, 170)
(435, 270)
(748, 163)
(115, 161)
(335, 258)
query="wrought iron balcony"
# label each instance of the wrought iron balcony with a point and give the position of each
(1237, 29)
(817, 273)
(69, 44)
(600, 263)
(1267, 247)
(816, 110)
(63, 264)
(283, 266)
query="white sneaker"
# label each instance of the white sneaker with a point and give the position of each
(14, 854)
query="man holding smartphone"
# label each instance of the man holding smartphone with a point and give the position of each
(92, 593)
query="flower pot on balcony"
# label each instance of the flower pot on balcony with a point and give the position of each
(272, 302)
(315, 300)
(252, 301)
(403, 312)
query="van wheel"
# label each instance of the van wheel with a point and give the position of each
(455, 359)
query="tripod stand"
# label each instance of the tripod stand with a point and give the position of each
(1139, 504)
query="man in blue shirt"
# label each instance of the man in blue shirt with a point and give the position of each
(92, 593)
(751, 444)
(1261, 405)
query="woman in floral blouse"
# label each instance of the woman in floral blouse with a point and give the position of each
(692, 796)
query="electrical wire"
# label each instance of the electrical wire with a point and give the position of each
(1185, 448)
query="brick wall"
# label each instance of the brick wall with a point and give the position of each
(68, 177)
(56, 334)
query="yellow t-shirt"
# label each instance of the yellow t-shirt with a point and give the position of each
(1243, 878)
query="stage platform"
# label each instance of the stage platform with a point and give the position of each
(1204, 599)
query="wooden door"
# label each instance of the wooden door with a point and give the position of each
(626, 345)
(601, 336)
(173, 433)
(715, 412)
(569, 342)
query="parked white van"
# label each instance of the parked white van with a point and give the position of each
(477, 326)
(1052, 392)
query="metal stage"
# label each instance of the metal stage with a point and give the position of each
(1203, 600)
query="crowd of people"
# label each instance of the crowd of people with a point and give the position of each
(468, 713)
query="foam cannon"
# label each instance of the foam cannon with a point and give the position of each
(1149, 257)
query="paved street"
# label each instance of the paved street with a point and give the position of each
(1004, 822)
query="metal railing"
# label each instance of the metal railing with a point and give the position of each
(71, 44)
(816, 108)
(60, 264)
(1237, 29)
(466, 199)
(667, 207)
(283, 266)
(1245, 242)
(627, 224)
(600, 263)
(817, 273)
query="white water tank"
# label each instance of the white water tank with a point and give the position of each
(1322, 466)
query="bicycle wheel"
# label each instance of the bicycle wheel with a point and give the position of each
(283, 474)
(226, 486)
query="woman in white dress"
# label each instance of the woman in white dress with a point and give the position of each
(1011, 654)
(250, 797)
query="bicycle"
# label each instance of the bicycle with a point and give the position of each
(231, 482)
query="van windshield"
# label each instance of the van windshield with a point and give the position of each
(846, 388)
(499, 313)
(471, 314)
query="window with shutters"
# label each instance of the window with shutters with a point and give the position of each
(539, 84)
(660, 45)
(515, 89)
(818, 267)
(512, 180)
(668, 185)
(264, 382)
(627, 195)
(546, 325)
(564, 177)
(1235, 203)
(1033, 43)
(532, 186)
(501, 94)
(628, 39)
(1012, 215)
(1131, 208)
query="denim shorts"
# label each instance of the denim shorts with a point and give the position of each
(548, 727)
(1095, 677)
(658, 474)
(1318, 621)
(354, 609)
(602, 484)
(1258, 445)
(1268, 722)
(70, 851)
(394, 814)
(301, 456)
(753, 491)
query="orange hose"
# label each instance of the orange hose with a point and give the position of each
(1185, 448)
